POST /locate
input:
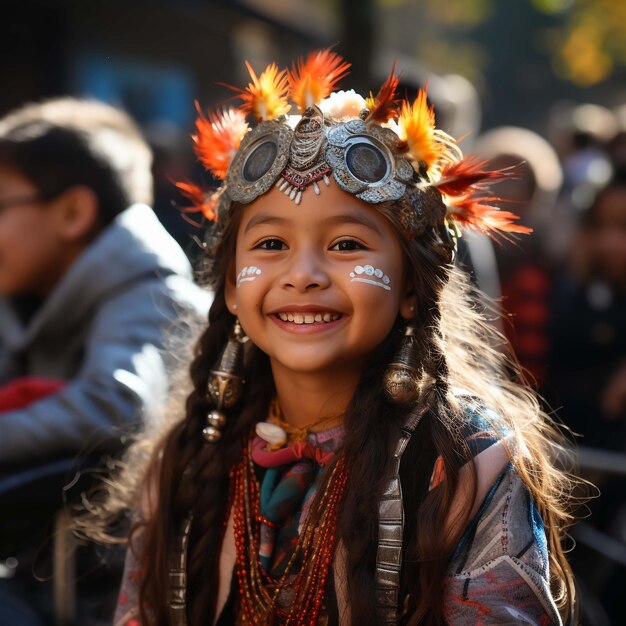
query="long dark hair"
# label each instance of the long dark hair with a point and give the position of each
(456, 348)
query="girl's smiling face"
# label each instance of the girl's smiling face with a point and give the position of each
(326, 280)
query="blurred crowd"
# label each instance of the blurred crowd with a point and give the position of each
(97, 298)
(563, 292)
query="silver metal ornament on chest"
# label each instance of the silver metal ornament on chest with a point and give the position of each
(225, 384)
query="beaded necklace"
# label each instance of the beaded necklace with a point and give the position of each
(259, 593)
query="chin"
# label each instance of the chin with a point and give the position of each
(302, 362)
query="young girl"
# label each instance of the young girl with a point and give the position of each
(353, 450)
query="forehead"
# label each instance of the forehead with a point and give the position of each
(330, 207)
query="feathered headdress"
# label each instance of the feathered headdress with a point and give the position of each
(418, 156)
(384, 106)
(313, 80)
(265, 97)
(218, 137)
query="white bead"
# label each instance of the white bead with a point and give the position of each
(271, 433)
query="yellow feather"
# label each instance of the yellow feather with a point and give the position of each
(417, 131)
(312, 80)
(266, 96)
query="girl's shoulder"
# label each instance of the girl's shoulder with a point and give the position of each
(481, 433)
(500, 567)
(501, 563)
(479, 423)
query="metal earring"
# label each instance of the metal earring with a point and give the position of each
(225, 386)
(403, 378)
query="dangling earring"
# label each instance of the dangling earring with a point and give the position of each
(225, 386)
(403, 378)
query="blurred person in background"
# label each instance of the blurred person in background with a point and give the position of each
(587, 380)
(616, 148)
(525, 270)
(588, 356)
(89, 283)
(580, 133)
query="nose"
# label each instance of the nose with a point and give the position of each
(306, 271)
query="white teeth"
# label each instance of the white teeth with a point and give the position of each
(308, 318)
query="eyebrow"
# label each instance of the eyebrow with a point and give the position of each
(358, 219)
(347, 218)
(264, 218)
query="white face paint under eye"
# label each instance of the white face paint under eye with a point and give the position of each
(248, 274)
(370, 275)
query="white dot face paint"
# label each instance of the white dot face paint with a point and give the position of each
(248, 274)
(370, 275)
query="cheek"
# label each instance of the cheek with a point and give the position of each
(248, 274)
(250, 289)
(376, 291)
(24, 253)
(371, 275)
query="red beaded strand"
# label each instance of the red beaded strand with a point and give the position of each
(259, 593)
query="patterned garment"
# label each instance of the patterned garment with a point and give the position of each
(498, 575)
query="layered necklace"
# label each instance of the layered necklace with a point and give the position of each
(260, 593)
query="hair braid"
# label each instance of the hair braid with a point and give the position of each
(183, 456)
(373, 425)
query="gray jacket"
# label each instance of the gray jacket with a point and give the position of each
(102, 330)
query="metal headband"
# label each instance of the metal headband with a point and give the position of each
(362, 158)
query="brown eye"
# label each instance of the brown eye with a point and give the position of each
(347, 245)
(271, 244)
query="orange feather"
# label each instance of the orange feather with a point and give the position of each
(265, 97)
(383, 106)
(203, 200)
(417, 131)
(469, 173)
(312, 80)
(217, 138)
(475, 213)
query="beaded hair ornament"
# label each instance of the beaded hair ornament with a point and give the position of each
(379, 148)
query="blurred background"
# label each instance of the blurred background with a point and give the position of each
(540, 82)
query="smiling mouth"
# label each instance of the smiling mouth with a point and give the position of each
(308, 318)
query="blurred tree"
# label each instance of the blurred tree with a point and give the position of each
(586, 42)
(592, 41)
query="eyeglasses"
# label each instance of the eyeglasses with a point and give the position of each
(19, 201)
